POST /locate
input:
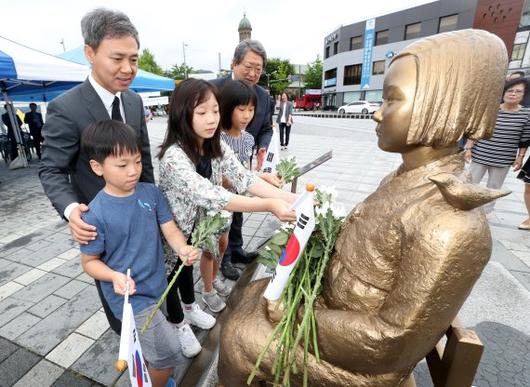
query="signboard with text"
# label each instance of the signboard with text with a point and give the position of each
(367, 53)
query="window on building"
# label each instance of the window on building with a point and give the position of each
(327, 52)
(374, 95)
(352, 74)
(448, 23)
(378, 67)
(412, 31)
(330, 78)
(381, 37)
(335, 48)
(518, 51)
(356, 42)
(352, 96)
(525, 19)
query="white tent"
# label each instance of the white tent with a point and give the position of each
(31, 75)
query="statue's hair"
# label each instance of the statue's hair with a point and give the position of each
(460, 77)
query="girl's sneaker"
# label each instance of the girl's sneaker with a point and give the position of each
(222, 288)
(188, 342)
(213, 301)
(198, 317)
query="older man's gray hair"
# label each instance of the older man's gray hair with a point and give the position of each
(102, 23)
(248, 44)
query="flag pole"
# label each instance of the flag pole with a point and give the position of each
(121, 363)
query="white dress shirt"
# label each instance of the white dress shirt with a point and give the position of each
(107, 97)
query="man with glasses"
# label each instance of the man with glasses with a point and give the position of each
(247, 65)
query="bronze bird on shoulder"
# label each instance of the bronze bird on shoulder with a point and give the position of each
(464, 195)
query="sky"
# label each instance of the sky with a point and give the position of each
(293, 30)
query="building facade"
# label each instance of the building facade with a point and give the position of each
(520, 53)
(357, 56)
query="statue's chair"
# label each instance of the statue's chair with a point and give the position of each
(453, 362)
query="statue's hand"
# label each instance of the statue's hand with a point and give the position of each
(275, 311)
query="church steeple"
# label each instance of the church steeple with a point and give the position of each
(244, 29)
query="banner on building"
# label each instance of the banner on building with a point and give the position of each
(367, 53)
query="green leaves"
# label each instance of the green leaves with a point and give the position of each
(296, 331)
(313, 74)
(280, 238)
(147, 62)
(287, 169)
(205, 232)
(204, 235)
(271, 252)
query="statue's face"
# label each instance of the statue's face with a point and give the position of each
(393, 117)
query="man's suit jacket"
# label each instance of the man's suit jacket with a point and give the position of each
(65, 171)
(7, 123)
(34, 121)
(260, 127)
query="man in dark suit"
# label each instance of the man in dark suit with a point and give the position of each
(34, 121)
(13, 151)
(248, 64)
(111, 47)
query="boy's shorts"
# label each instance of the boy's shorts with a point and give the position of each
(160, 344)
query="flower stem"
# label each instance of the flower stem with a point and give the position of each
(163, 298)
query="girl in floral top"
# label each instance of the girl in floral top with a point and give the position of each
(193, 163)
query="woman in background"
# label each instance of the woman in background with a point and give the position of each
(508, 144)
(285, 120)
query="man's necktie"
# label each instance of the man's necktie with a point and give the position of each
(116, 114)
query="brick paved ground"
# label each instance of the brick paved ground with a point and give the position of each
(52, 329)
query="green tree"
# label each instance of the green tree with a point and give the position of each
(147, 62)
(276, 75)
(177, 71)
(313, 75)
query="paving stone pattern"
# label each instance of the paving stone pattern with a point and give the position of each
(54, 333)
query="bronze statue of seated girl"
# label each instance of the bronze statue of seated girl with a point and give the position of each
(409, 255)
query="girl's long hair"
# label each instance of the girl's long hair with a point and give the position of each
(185, 98)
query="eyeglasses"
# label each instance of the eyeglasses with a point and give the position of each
(514, 91)
(248, 68)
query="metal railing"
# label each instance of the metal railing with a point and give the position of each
(312, 165)
(333, 115)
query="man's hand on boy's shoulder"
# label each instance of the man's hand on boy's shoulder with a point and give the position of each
(81, 232)
(119, 282)
(189, 254)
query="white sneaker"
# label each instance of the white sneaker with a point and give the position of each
(222, 288)
(198, 317)
(213, 301)
(188, 342)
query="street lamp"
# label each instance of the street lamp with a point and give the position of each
(268, 75)
(184, 45)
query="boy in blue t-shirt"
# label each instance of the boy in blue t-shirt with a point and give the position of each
(128, 216)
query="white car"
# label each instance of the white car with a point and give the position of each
(362, 107)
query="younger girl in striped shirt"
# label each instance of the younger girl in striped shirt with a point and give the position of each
(237, 105)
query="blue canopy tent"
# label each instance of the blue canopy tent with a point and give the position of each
(31, 75)
(143, 82)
